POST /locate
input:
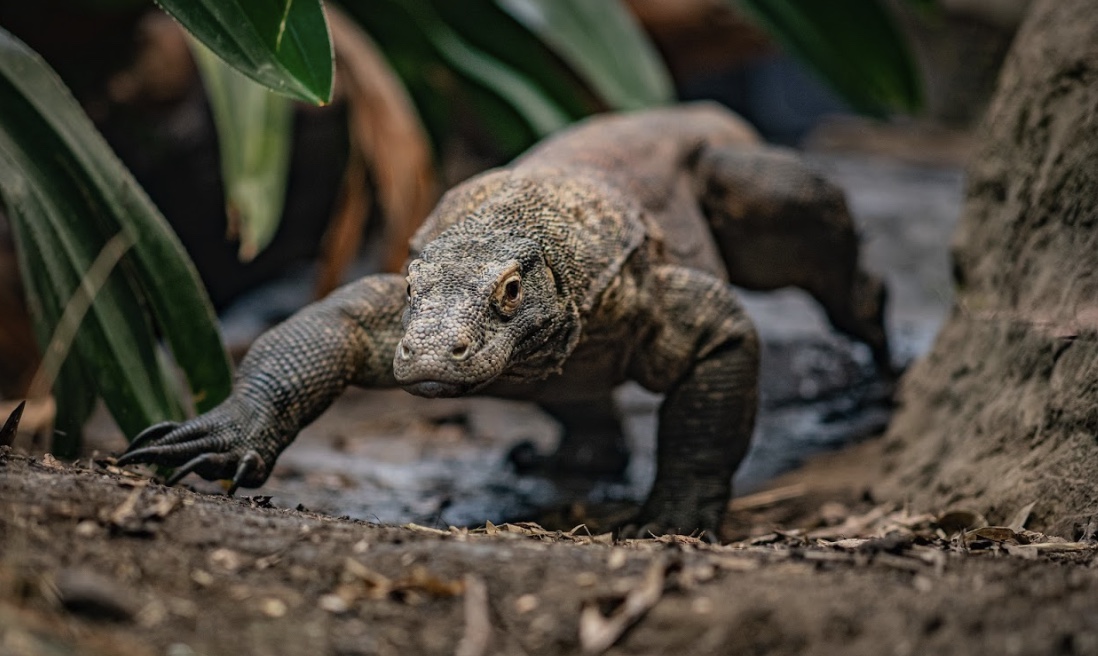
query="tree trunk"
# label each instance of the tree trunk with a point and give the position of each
(1004, 410)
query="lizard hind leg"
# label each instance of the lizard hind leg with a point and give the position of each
(777, 224)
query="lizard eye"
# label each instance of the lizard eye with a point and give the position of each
(512, 290)
(509, 295)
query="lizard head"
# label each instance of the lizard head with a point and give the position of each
(477, 306)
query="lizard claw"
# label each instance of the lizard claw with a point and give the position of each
(151, 433)
(217, 445)
(248, 464)
(638, 530)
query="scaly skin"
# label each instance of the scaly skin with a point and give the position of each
(602, 255)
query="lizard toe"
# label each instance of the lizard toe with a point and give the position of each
(152, 433)
(169, 455)
(201, 464)
(250, 469)
(247, 469)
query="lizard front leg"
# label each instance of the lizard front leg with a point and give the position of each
(704, 354)
(290, 375)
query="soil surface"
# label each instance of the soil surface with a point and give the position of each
(95, 560)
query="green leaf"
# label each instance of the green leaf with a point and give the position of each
(543, 115)
(424, 27)
(282, 44)
(602, 42)
(67, 195)
(254, 133)
(853, 44)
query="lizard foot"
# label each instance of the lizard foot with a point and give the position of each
(654, 519)
(640, 529)
(205, 445)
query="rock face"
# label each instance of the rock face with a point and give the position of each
(1004, 411)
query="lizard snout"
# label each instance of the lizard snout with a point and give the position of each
(461, 349)
(433, 361)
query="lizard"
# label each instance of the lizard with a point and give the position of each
(605, 253)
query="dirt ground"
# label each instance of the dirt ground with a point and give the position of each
(99, 561)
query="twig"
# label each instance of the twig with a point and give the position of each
(478, 626)
(598, 633)
(768, 497)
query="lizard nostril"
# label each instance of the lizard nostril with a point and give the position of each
(405, 352)
(460, 351)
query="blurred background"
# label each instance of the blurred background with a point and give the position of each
(429, 92)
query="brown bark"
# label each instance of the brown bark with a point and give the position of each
(1004, 410)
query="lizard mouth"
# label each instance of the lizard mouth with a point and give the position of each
(435, 389)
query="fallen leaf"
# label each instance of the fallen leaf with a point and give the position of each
(1021, 517)
(994, 534)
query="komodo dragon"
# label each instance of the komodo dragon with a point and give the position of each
(604, 254)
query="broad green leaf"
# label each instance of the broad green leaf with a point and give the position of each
(254, 133)
(853, 44)
(602, 42)
(282, 44)
(67, 195)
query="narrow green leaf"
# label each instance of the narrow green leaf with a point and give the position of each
(282, 44)
(853, 44)
(602, 42)
(115, 343)
(67, 195)
(539, 110)
(254, 134)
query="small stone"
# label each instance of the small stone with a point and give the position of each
(333, 603)
(225, 559)
(702, 606)
(93, 595)
(202, 578)
(526, 603)
(87, 529)
(180, 649)
(273, 608)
